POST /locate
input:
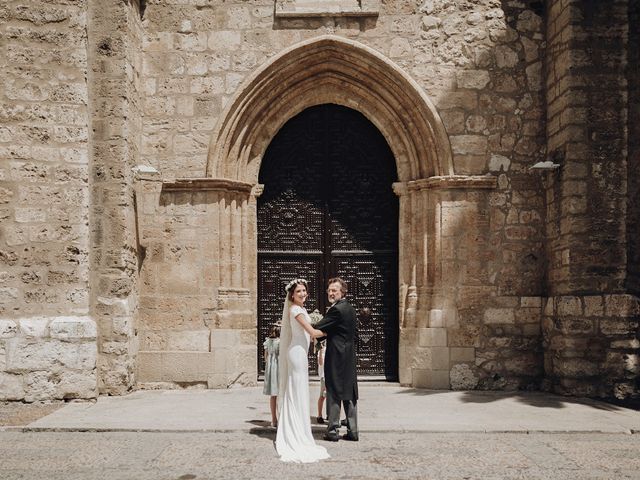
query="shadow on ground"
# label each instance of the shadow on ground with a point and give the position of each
(263, 429)
(534, 399)
(20, 413)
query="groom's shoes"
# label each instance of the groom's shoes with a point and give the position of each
(350, 436)
(331, 436)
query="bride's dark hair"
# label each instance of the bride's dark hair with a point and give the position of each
(291, 287)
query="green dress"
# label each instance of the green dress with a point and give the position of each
(272, 348)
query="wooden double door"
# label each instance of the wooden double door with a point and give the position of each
(328, 209)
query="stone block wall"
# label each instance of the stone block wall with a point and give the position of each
(482, 69)
(115, 39)
(196, 321)
(44, 160)
(44, 358)
(586, 198)
(479, 333)
(47, 342)
(633, 162)
(94, 88)
(591, 345)
(591, 322)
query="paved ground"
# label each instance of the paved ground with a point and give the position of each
(244, 455)
(405, 434)
(382, 408)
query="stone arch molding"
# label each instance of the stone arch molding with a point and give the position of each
(330, 69)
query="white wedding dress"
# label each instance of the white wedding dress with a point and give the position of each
(294, 441)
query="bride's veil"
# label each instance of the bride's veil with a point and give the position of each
(283, 361)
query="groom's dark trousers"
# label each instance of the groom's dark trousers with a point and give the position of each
(333, 414)
(339, 323)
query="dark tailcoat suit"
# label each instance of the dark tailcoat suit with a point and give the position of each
(339, 324)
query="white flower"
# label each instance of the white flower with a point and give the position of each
(315, 316)
(293, 282)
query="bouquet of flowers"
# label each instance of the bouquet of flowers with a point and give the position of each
(315, 317)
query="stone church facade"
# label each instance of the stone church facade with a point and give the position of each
(132, 136)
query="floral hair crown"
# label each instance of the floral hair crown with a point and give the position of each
(295, 281)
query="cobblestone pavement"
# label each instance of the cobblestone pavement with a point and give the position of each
(244, 455)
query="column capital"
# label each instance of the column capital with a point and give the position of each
(454, 182)
(205, 184)
(400, 188)
(257, 190)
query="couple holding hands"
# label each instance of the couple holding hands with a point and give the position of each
(294, 441)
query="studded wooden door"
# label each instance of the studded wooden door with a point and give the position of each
(328, 209)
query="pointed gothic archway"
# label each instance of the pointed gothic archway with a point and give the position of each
(333, 70)
(324, 70)
(330, 69)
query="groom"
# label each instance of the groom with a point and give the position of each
(339, 324)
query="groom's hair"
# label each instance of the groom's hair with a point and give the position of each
(343, 284)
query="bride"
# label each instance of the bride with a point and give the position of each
(294, 441)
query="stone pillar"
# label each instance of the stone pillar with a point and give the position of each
(233, 340)
(633, 162)
(114, 46)
(198, 319)
(47, 335)
(410, 355)
(235, 335)
(591, 322)
(438, 216)
(586, 135)
(404, 265)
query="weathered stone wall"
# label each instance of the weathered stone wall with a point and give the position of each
(633, 162)
(93, 89)
(471, 57)
(48, 358)
(115, 39)
(193, 332)
(480, 63)
(633, 199)
(591, 344)
(476, 334)
(586, 92)
(47, 348)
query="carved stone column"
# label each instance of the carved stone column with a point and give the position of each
(418, 262)
(428, 284)
(198, 317)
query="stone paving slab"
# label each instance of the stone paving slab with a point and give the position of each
(384, 456)
(382, 408)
